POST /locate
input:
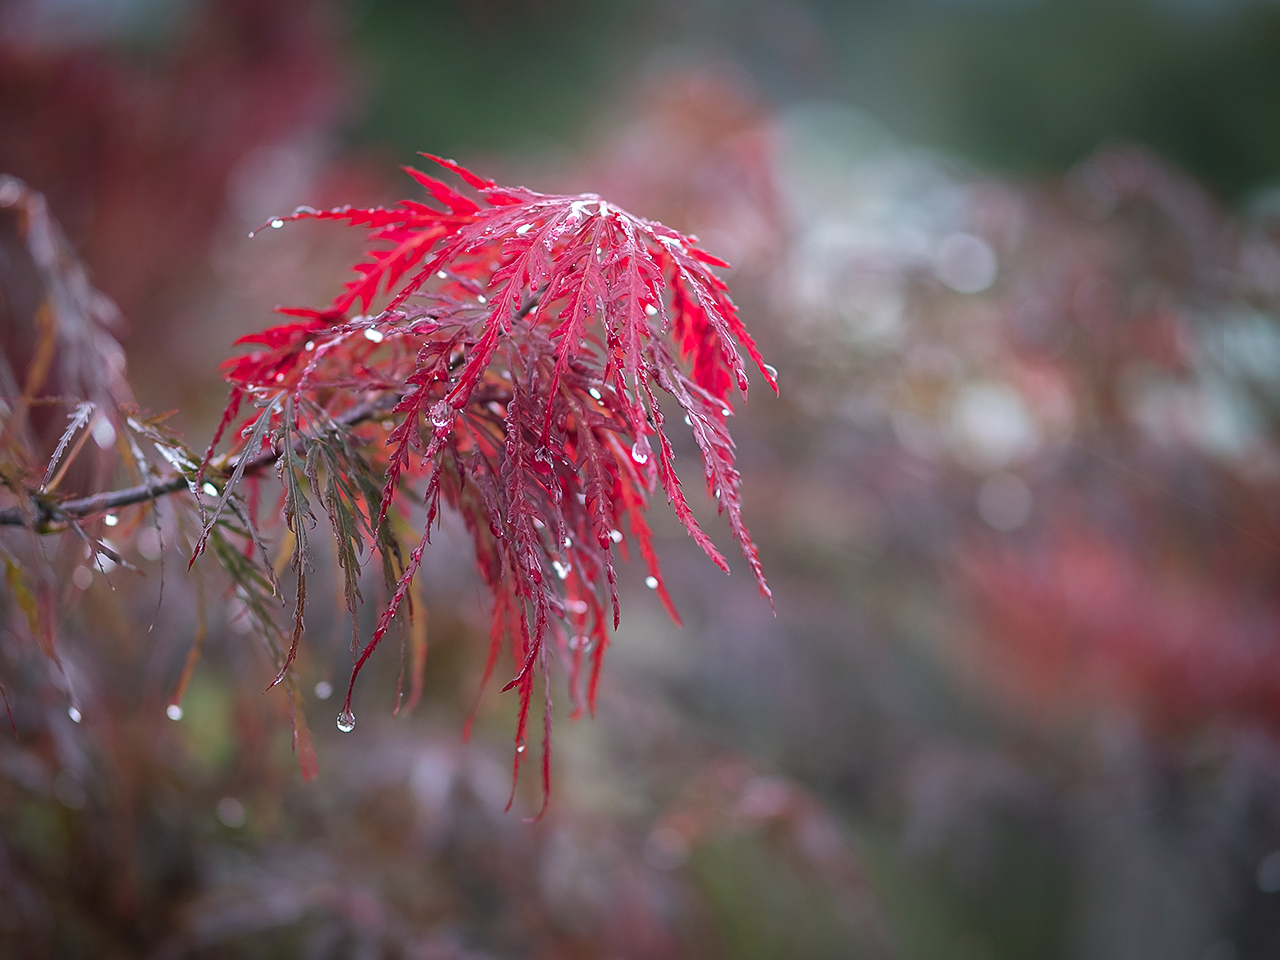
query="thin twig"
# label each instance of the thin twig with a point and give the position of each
(49, 511)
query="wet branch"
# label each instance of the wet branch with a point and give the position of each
(51, 511)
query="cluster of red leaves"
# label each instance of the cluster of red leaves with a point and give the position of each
(1080, 622)
(523, 340)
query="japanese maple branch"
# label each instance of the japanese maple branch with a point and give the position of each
(48, 511)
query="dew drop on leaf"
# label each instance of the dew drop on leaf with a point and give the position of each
(373, 335)
(640, 451)
(310, 345)
(594, 392)
(651, 582)
(650, 309)
(277, 223)
(481, 298)
(561, 569)
(173, 711)
(615, 536)
(770, 369)
(74, 714)
(520, 749)
(442, 414)
(726, 411)
(346, 721)
(110, 519)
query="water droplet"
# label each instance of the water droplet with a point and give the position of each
(480, 297)
(687, 421)
(173, 711)
(561, 569)
(538, 523)
(442, 414)
(110, 519)
(310, 345)
(277, 223)
(594, 392)
(324, 690)
(74, 714)
(373, 335)
(640, 451)
(523, 229)
(580, 642)
(210, 489)
(442, 275)
(346, 721)
(568, 541)
(650, 309)
(279, 377)
(520, 749)
(231, 812)
(104, 434)
(726, 411)
(615, 536)
(651, 582)
(771, 370)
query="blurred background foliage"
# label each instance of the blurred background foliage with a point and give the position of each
(1018, 262)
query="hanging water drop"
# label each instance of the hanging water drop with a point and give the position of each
(640, 451)
(650, 309)
(520, 749)
(568, 541)
(651, 582)
(615, 536)
(210, 490)
(561, 569)
(310, 345)
(442, 275)
(277, 223)
(594, 393)
(442, 414)
(110, 519)
(726, 411)
(173, 711)
(372, 335)
(771, 370)
(346, 721)
(480, 297)
(74, 714)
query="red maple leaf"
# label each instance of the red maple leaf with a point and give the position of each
(522, 342)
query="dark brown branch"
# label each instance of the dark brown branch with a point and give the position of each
(51, 511)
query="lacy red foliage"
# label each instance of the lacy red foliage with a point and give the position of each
(521, 346)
